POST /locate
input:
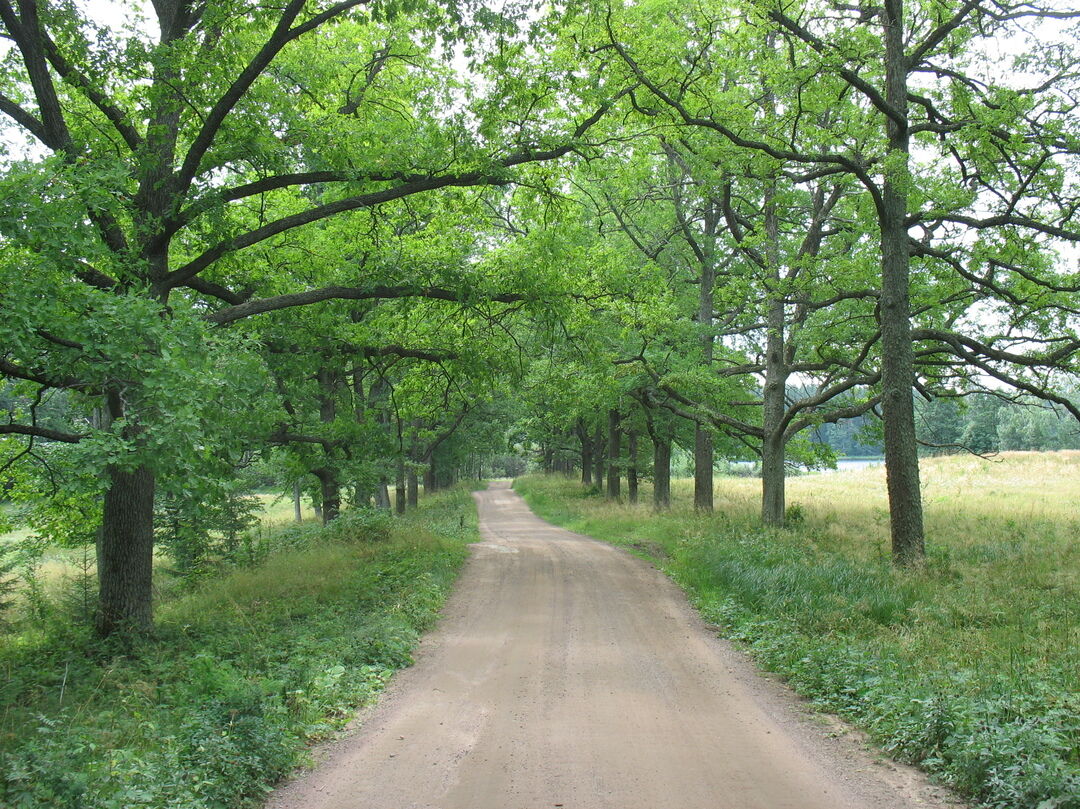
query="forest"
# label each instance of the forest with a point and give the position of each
(359, 250)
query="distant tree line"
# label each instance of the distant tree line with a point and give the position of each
(980, 423)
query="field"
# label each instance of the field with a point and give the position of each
(969, 666)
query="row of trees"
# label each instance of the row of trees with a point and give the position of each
(232, 227)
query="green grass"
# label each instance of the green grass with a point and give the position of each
(969, 667)
(242, 675)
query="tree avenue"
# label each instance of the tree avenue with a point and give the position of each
(229, 228)
(158, 162)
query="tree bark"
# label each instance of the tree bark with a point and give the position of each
(431, 480)
(598, 457)
(703, 444)
(897, 354)
(330, 488)
(703, 469)
(773, 480)
(330, 381)
(586, 452)
(412, 488)
(125, 553)
(631, 467)
(774, 396)
(614, 450)
(399, 485)
(382, 494)
(661, 473)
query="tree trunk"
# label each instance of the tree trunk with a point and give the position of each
(774, 396)
(125, 553)
(586, 453)
(399, 486)
(431, 481)
(703, 442)
(298, 513)
(330, 381)
(773, 480)
(703, 469)
(331, 493)
(586, 461)
(412, 487)
(598, 457)
(614, 451)
(382, 494)
(661, 473)
(631, 466)
(897, 355)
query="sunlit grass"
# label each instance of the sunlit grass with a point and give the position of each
(57, 567)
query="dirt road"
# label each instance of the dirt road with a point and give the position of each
(567, 673)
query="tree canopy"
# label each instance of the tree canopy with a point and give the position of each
(369, 238)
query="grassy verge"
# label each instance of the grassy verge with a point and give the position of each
(242, 675)
(969, 668)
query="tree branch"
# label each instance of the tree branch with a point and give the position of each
(283, 34)
(261, 305)
(41, 432)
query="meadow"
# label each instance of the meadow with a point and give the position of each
(969, 666)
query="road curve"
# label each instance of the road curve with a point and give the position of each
(568, 673)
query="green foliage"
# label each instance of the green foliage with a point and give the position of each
(929, 663)
(244, 671)
(195, 527)
(9, 564)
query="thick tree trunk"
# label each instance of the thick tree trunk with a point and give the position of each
(703, 469)
(431, 480)
(125, 553)
(382, 494)
(399, 486)
(586, 453)
(330, 381)
(773, 480)
(614, 451)
(898, 362)
(703, 443)
(330, 488)
(774, 396)
(661, 441)
(703, 246)
(661, 473)
(631, 466)
(412, 488)
(598, 457)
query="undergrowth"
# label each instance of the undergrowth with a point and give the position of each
(241, 675)
(969, 668)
